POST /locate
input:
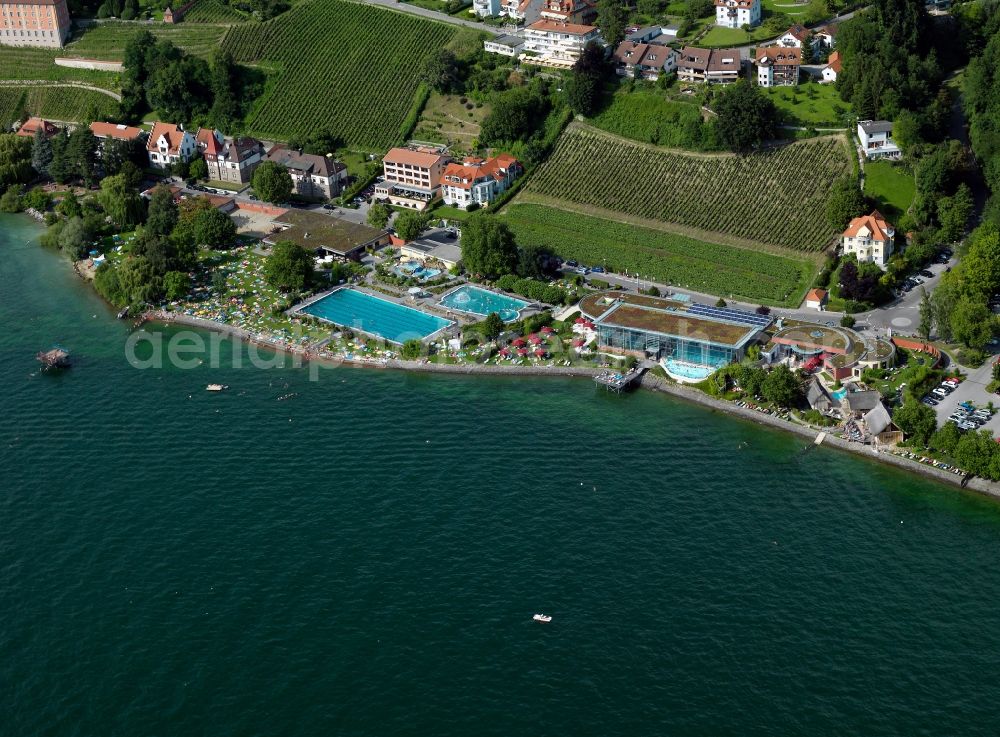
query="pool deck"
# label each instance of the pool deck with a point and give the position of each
(528, 304)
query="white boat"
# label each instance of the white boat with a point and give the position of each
(542, 618)
(216, 387)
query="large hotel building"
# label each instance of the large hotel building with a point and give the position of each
(34, 23)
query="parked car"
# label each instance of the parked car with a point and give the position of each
(598, 269)
(581, 270)
(572, 264)
(930, 401)
(926, 272)
(966, 426)
(939, 392)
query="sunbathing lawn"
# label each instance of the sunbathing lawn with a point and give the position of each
(725, 37)
(810, 104)
(890, 184)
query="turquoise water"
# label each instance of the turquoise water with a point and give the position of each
(477, 301)
(687, 370)
(375, 316)
(839, 394)
(364, 558)
(415, 270)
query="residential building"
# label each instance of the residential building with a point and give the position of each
(778, 66)
(234, 160)
(31, 125)
(209, 140)
(817, 299)
(870, 239)
(522, 11)
(876, 139)
(794, 37)
(312, 175)
(437, 245)
(832, 68)
(478, 181)
(412, 176)
(486, 8)
(737, 13)
(34, 23)
(645, 35)
(570, 11)
(558, 44)
(168, 144)
(825, 36)
(115, 132)
(644, 61)
(505, 45)
(719, 66)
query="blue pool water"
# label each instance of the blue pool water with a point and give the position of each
(478, 301)
(379, 317)
(416, 270)
(839, 394)
(696, 372)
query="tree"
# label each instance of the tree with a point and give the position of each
(980, 272)
(848, 321)
(782, 387)
(176, 284)
(954, 212)
(272, 182)
(41, 153)
(224, 75)
(612, 17)
(11, 200)
(214, 228)
(412, 349)
(198, 169)
(139, 281)
(946, 438)
(69, 206)
(378, 215)
(926, 323)
(972, 323)
(844, 203)
(289, 267)
(529, 262)
(162, 212)
(75, 237)
(130, 10)
(515, 115)
(409, 225)
(592, 61)
(488, 247)
(441, 71)
(125, 208)
(916, 420)
(492, 326)
(582, 93)
(746, 118)
(81, 155)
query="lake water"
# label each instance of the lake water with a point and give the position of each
(364, 557)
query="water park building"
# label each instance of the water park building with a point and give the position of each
(687, 335)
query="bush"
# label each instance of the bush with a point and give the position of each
(847, 321)
(852, 307)
(412, 349)
(599, 284)
(972, 357)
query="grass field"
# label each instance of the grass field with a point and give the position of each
(70, 104)
(774, 199)
(331, 65)
(446, 119)
(107, 41)
(891, 185)
(214, 11)
(648, 117)
(662, 257)
(725, 37)
(810, 104)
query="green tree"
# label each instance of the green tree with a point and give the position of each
(582, 93)
(844, 203)
(980, 269)
(378, 215)
(926, 323)
(162, 212)
(488, 247)
(442, 72)
(140, 283)
(612, 18)
(11, 200)
(198, 169)
(782, 387)
(272, 182)
(916, 420)
(492, 326)
(946, 438)
(225, 76)
(409, 225)
(125, 207)
(130, 10)
(972, 323)
(289, 267)
(41, 152)
(746, 118)
(954, 212)
(176, 284)
(69, 206)
(81, 155)
(75, 237)
(515, 115)
(412, 350)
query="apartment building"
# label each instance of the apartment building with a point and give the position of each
(778, 66)
(34, 23)
(737, 13)
(557, 44)
(412, 176)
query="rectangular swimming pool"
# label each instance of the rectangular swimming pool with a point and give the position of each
(478, 301)
(376, 316)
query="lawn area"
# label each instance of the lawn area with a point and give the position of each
(725, 37)
(810, 104)
(660, 256)
(892, 185)
(229, 186)
(647, 116)
(789, 8)
(446, 119)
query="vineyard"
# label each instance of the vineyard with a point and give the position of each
(70, 104)
(662, 257)
(336, 65)
(213, 11)
(776, 197)
(107, 41)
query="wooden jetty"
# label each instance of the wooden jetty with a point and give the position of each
(54, 358)
(617, 381)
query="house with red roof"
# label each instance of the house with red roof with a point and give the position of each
(31, 125)
(557, 43)
(737, 13)
(644, 60)
(115, 132)
(412, 176)
(233, 160)
(832, 68)
(478, 181)
(816, 299)
(778, 66)
(869, 238)
(795, 37)
(168, 144)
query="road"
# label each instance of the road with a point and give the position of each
(432, 14)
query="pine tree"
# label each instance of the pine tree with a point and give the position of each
(41, 153)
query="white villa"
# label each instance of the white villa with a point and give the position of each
(737, 13)
(557, 44)
(870, 238)
(876, 139)
(168, 143)
(478, 181)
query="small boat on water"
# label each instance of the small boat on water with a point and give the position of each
(216, 387)
(123, 313)
(542, 618)
(54, 358)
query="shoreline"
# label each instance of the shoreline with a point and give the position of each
(981, 486)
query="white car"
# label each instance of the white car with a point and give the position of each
(939, 392)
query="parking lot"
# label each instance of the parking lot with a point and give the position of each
(972, 389)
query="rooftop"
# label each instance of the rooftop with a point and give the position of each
(314, 230)
(875, 126)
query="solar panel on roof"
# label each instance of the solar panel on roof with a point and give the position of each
(724, 313)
